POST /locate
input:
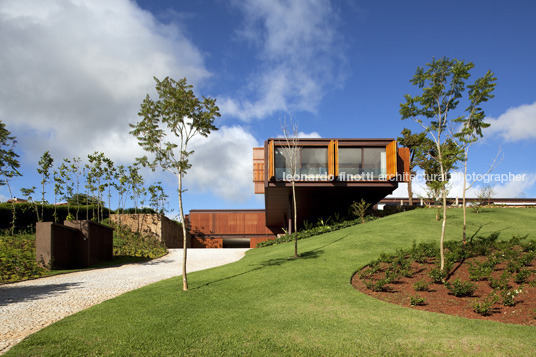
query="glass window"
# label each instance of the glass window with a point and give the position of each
(374, 162)
(350, 161)
(314, 161)
(282, 163)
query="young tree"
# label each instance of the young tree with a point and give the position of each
(59, 184)
(66, 190)
(109, 175)
(484, 196)
(78, 172)
(158, 197)
(443, 84)
(292, 153)
(467, 129)
(96, 162)
(45, 165)
(9, 165)
(414, 142)
(166, 129)
(28, 193)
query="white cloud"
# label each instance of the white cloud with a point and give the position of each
(75, 71)
(517, 123)
(300, 56)
(222, 163)
(513, 189)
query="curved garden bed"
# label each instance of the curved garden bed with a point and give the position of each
(487, 279)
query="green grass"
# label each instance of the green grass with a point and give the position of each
(267, 304)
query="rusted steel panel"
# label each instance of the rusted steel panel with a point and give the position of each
(403, 164)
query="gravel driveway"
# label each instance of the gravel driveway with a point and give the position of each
(28, 306)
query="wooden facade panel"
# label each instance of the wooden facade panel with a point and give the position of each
(391, 160)
(259, 187)
(331, 158)
(271, 166)
(336, 154)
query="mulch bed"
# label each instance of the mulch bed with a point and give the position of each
(439, 299)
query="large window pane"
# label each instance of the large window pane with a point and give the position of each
(374, 162)
(349, 161)
(314, 161)
(282, 163)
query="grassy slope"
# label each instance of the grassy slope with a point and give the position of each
(266, 304)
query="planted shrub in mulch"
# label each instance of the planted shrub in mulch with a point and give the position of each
(484, 279)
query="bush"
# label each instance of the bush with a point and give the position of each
(132, 244)
(416, 301)
(421, 285)
(509, 296)
(379, 285)
(523, 276)
(437, 275)
(485, 307)
(480, 271)
(502, 283)
(460, 288)
(17, 259)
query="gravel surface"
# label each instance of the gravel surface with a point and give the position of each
(28, 306)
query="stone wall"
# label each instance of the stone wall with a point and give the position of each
(155, 225)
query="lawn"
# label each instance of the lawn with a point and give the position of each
(266, 304)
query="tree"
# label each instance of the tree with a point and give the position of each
(109, 175)
(291, 150)
(443, 84)
(45, 164)
(9, 165)
(484, 196)
(158, 197)
(469, 129)
(59, 184)
(166, 129)
(414, 142)
(28, 193)
(78, 172)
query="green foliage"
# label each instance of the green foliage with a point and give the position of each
(311, 232)
(421, 285)
(83, 199)
(437, 275)
(502, 283)
(378, 285)
(481, 271)
(132, 244)
(26, 218)
(485, 307)
(360, 208)
(460, 288)
(17, 259)
(509, 296)
(416, 301)
(523, 276)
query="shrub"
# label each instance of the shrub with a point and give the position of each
(513, 266)
(131, 244)
(485, 307)
(17, 259)
(460, 288)
(523, 276)
(416, 301)
(480, 271)
(509, 296)
(437, 275)
(527, 259)
(502, 282)
(421, 285)
(379, 285)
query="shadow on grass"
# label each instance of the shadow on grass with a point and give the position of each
(12, 294)
(311, 254)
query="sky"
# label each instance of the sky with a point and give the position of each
(74, 73)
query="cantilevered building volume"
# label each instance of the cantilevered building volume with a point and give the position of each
(330, 175)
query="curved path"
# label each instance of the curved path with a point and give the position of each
(28, 306)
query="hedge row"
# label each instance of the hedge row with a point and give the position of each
(26, 217)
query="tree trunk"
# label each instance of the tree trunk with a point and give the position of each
(464, 229)
(410, 192)
(184, 277)
(295, 219)
(13, 208)
(444, 224)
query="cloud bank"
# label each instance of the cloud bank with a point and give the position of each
(299, 55)
(517, 123)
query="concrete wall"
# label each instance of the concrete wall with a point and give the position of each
(153, 225)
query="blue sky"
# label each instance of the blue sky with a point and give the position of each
(75, 71)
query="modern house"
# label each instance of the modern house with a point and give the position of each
(330, 174)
